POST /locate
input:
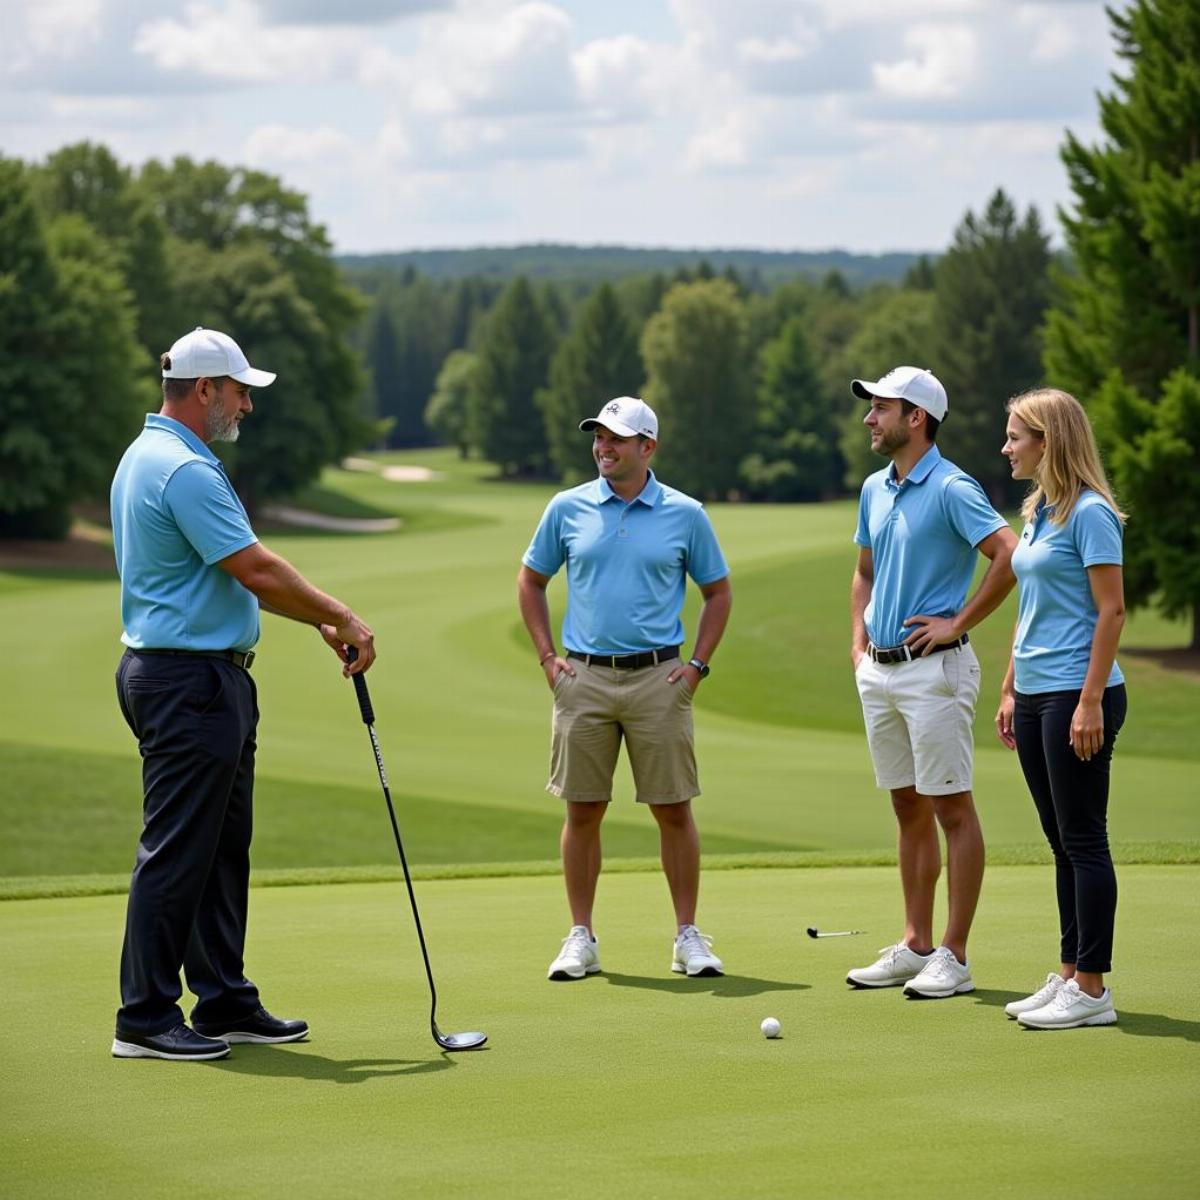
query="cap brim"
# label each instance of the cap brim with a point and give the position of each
(615, 427)
(867, 389)
(253, 377)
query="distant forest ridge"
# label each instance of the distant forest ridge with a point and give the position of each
(562, 263)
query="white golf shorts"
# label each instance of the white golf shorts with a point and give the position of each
(919, 717)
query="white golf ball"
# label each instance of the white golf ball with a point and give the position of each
(770, 1027)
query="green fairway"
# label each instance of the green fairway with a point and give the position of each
(635, 1082)
(463, 712)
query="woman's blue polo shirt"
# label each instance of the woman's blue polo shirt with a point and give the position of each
(1056, 616)
(627, 563)
(174, 516)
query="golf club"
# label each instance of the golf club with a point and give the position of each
(813, 932)
(447, 1041)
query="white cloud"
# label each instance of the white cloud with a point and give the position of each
(618, 77)
(941, 65)
(231, 43)
(275, 146)
(1054, 37)
(61, 27)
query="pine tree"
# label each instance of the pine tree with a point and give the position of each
(1129, 316)
(597, 360)
(514, 354)
(795, 454)
(446, 412)
(698, 382)
(991, 292)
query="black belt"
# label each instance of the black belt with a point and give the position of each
(239, 658)
(628, 662)
(899, 654)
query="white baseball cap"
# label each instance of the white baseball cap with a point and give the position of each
(626, 416)
(917, 385)
(208, 354)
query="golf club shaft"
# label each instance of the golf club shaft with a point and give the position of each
(368, 716)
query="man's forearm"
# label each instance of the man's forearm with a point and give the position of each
(860, 597)
(993, 587)
(282, 590)
(535, 612)
(714, 616)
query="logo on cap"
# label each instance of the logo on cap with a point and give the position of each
(614, 408)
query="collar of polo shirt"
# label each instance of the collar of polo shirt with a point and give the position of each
(921, 468)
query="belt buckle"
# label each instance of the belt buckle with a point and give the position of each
(247, 660)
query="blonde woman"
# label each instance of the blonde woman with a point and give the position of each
(1063, 699)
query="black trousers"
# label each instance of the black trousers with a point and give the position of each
(195, 720)
(1072, 803)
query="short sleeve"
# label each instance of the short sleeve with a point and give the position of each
(207, 511)
(705, 562)
(862, 535)
(968, 511)
(545, 554)
(1098, 534)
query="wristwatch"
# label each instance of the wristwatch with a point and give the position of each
(700, 666)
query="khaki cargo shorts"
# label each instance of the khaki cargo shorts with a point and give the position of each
(597, 707)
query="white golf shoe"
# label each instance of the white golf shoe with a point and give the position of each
(579, 956)
(942, 976)
(895, 965)
(1071, 1008)
(693, 954)
(1039, 999)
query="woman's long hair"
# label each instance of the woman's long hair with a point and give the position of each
(1071, 461)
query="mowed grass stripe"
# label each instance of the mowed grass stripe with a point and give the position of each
(464, 713)
(660, 1086)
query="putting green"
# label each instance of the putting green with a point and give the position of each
(636, 1082)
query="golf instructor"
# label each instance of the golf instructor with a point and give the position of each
(629, 544)
(193, 580)
(920, 522)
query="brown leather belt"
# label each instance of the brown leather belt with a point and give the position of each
(898, 654)
(628, 662)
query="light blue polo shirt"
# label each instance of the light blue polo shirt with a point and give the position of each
(174, 515)
(627, 563)
(1056, 615)
(922, 535)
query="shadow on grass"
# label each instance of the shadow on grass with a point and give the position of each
(995, 997)
(297, 1064)
(1156, 1025)
(718, 985)
(1137, 1024)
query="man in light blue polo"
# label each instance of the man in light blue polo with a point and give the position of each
(629, 545)
(193, 580)
(920, 523)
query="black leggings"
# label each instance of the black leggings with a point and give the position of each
(1072, 801)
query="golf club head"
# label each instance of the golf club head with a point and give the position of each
(458, 1041)
(812, 932)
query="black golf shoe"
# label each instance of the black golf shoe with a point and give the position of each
(257, 1026)
(179, 1042)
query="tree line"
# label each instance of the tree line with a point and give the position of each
(751, 383)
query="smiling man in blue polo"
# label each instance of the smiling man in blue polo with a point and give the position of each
(920, 523)
(629, 544)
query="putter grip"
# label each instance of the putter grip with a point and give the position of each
(360, 690)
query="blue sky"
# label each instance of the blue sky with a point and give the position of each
(791, 124)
